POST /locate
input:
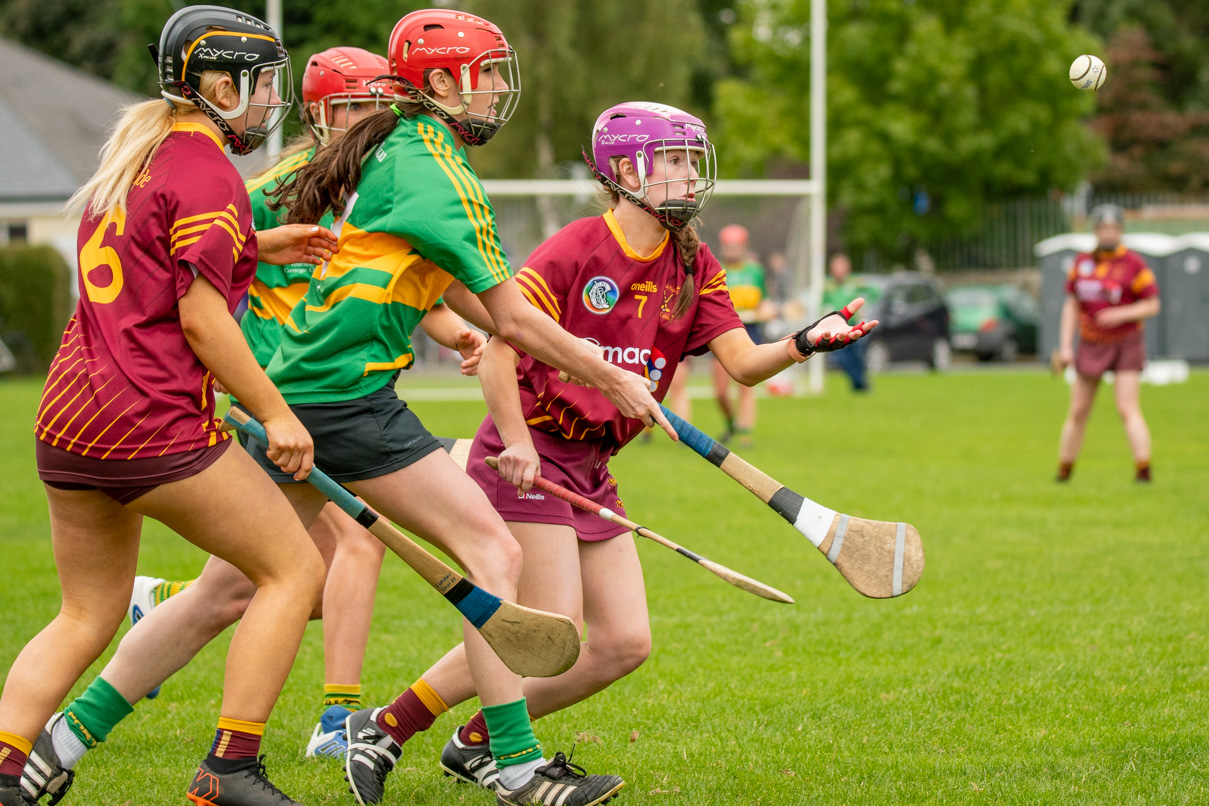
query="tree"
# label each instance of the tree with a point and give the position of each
(1153, 108)
(935, 107)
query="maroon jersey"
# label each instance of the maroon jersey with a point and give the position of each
(591, 282)
(1104, 280)
(125, 382)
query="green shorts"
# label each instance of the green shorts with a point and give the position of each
(357, 439)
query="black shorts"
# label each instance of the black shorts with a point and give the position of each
(357, 439)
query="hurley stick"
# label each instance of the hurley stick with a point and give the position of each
(879, 559)
(733, 577)
(532, 643)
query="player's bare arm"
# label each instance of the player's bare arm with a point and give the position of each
(219, 343)
(518, 462)
(1134, 312)
(296, 243)
(448, 329)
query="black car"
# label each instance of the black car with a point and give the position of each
(914, 320)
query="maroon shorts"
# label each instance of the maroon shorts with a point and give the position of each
(123, 480)
(1094, 358)
(581, 467)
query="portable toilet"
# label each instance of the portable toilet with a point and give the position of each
(1185, 292)
(1055, 258)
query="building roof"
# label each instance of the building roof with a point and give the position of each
(54, 119)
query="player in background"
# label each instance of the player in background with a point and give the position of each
(126, 426)
(414, 225)
(745, 279)
(637, 282)
(338, 89)
(836, 291)
(1109, 295)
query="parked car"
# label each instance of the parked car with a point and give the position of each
(993, 321)
(914, 320)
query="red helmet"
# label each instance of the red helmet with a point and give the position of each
(461, 43)
(340, 76)
(733, 233)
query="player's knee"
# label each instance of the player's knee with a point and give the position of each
(94, 623)
(497, 564)
(361, 546)
(626, 653)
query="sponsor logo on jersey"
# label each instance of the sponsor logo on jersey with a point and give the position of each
(653, 362)
(647, 286)
(530, 496)
(600, 294)
(654, 367)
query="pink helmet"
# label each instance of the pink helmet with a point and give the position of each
(645, 133)
(341, 76)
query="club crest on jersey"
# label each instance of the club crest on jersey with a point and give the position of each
(656, 365)
(1086, 267)
(600, 294)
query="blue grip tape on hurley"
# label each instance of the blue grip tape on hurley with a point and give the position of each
(343, 498)
(478, 606)
(691, 436)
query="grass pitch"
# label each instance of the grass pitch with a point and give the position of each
(1054, 652)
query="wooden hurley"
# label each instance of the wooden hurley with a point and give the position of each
(879, 559)
(733, 577)
(532, 643)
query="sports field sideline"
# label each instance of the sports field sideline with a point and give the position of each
(1056, 650)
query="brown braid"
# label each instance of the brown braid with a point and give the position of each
(321, 184)
(687, 244)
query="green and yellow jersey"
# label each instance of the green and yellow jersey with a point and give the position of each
(276, 289)
(418, 219)
(746, 283)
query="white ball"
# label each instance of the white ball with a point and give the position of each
(1088, 73)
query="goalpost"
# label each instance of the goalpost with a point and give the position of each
(779, 215)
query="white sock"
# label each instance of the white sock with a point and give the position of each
(517, 775)
(67, 745)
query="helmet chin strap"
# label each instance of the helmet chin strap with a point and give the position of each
(670, 222)
(238, 144)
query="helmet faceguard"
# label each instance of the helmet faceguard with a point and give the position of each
(462, 45)
(650, 135)
(339, 77)
(199, 39)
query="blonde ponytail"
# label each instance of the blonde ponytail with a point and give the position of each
(133, 142)
(135, 138)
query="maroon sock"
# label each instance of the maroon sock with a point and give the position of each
(236, 739)
(410, 713)
(1064, 470)
(474, 731)
(12, 758)
(1143, 471)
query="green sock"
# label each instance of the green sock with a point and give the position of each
(94, 713)
(166, 590)
(511, 733)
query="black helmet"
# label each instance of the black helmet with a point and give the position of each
(1107, 214)
(198, 39)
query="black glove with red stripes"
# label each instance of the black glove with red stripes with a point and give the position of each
(831, 341)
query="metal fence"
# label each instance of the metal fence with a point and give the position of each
(1009, 230)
